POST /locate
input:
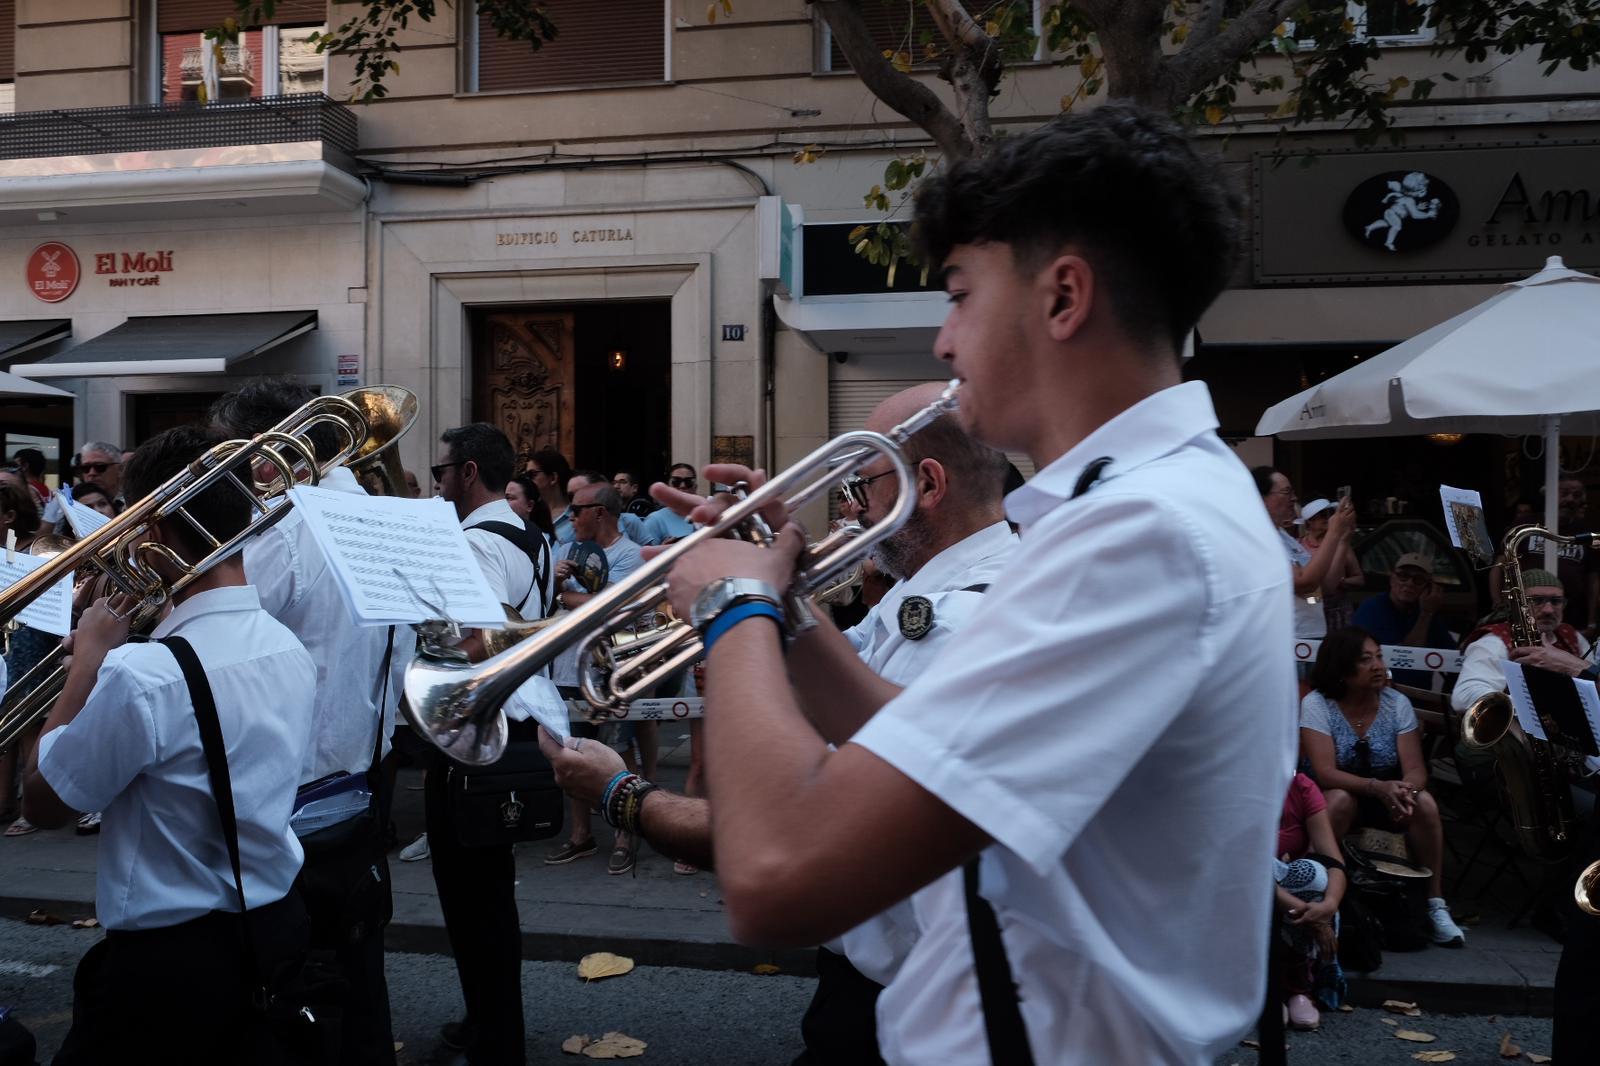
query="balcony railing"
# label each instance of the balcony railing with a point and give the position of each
(93, 131)
(236, 61)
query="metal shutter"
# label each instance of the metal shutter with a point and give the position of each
(851, 401)
(595, 43)
(8, 40)
(182, 16)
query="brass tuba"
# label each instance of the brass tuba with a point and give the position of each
(1533, 773)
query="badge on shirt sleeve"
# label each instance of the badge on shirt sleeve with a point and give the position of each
(916, 617)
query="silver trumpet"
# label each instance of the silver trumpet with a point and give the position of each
(627, 640)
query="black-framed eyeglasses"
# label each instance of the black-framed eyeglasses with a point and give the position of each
(855, 488)
(583, 506)
(1363, 758)
(681, 482)
(1547, 601)
(438, 471)
(96, 468)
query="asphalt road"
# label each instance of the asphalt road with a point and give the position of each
(697, 1017)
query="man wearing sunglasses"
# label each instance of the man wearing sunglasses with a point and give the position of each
(102, 464)
(1408, 614)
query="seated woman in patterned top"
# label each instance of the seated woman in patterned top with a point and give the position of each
(1361, 739)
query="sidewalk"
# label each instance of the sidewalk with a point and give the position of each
(660, 918)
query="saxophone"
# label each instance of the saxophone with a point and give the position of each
(1533, 773)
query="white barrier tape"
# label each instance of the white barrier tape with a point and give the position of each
(1395, 656)
(653, 710)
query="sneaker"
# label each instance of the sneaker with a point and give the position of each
(1446, 932)
(568, 852)
(1303, 1013)
(88, 824)
(416, 851)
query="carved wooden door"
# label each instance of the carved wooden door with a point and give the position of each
(523, 378)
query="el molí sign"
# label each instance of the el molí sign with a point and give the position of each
(53, 271)
(1427, 214)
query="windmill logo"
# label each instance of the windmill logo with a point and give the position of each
(53, 272)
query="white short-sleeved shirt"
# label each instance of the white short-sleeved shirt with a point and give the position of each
(505, 566)
(1309, 619)
(622, 558)
(953, 584)
(134, 753)
(1120, 723)
(291, 576)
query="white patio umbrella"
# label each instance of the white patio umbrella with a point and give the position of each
(1526, 360)
(13, 387)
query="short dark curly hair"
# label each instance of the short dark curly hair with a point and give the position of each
(1159, 223)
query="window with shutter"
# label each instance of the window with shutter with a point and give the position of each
(173, 16)
(8, 56)
(595, 44)
(905, 26)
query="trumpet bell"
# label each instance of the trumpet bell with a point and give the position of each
(447, 720)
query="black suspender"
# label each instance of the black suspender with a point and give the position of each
(205, 714)
(997, 989)
(534, 546)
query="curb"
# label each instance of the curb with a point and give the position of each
(541, 945)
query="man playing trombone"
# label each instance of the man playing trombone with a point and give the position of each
(168, 982)
(1120, 694)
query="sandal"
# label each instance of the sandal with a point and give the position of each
(21, 828)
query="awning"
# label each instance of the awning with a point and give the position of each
(867, 325)
(174, 344)
(15, 388)
(22, 335)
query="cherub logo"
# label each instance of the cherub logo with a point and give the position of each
(1404, 200)
(1401, 210)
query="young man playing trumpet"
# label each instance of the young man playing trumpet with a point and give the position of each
(1124, 691)
(168, 983)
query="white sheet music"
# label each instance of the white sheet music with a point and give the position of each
(51, 612)
(381, 548)
(539, 699)
(1590, 695)
(82, 518)
(1521, 701)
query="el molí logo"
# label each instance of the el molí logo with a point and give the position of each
(1401, 211)
(149, 264)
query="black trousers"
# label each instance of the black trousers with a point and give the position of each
(480, 917)
(1576, 1040)
(345, 885)
(177, 995)
(840, 1026)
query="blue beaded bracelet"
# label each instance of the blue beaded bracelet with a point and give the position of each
(736, 614)
(605, 797)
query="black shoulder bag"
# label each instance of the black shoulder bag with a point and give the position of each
(296, 1009)
(515, 798)
(997, 989)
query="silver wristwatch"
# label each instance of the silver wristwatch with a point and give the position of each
(724, 593)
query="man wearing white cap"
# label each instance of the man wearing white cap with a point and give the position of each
(1408, 614)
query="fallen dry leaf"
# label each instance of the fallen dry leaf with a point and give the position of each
(1345, 1008)
(1414, 1036)
(1538, 1058)
(615, 1046)
(603, 964)
(575, 1043)
(85, 923)
(1388, 1021)
(1508, 1050)
(1250, 1043)
(1396, 1006)
(44, 918)
(1435, 1056)
(765, 969)
(399, 1045)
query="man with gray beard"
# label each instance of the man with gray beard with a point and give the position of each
(954, 544)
